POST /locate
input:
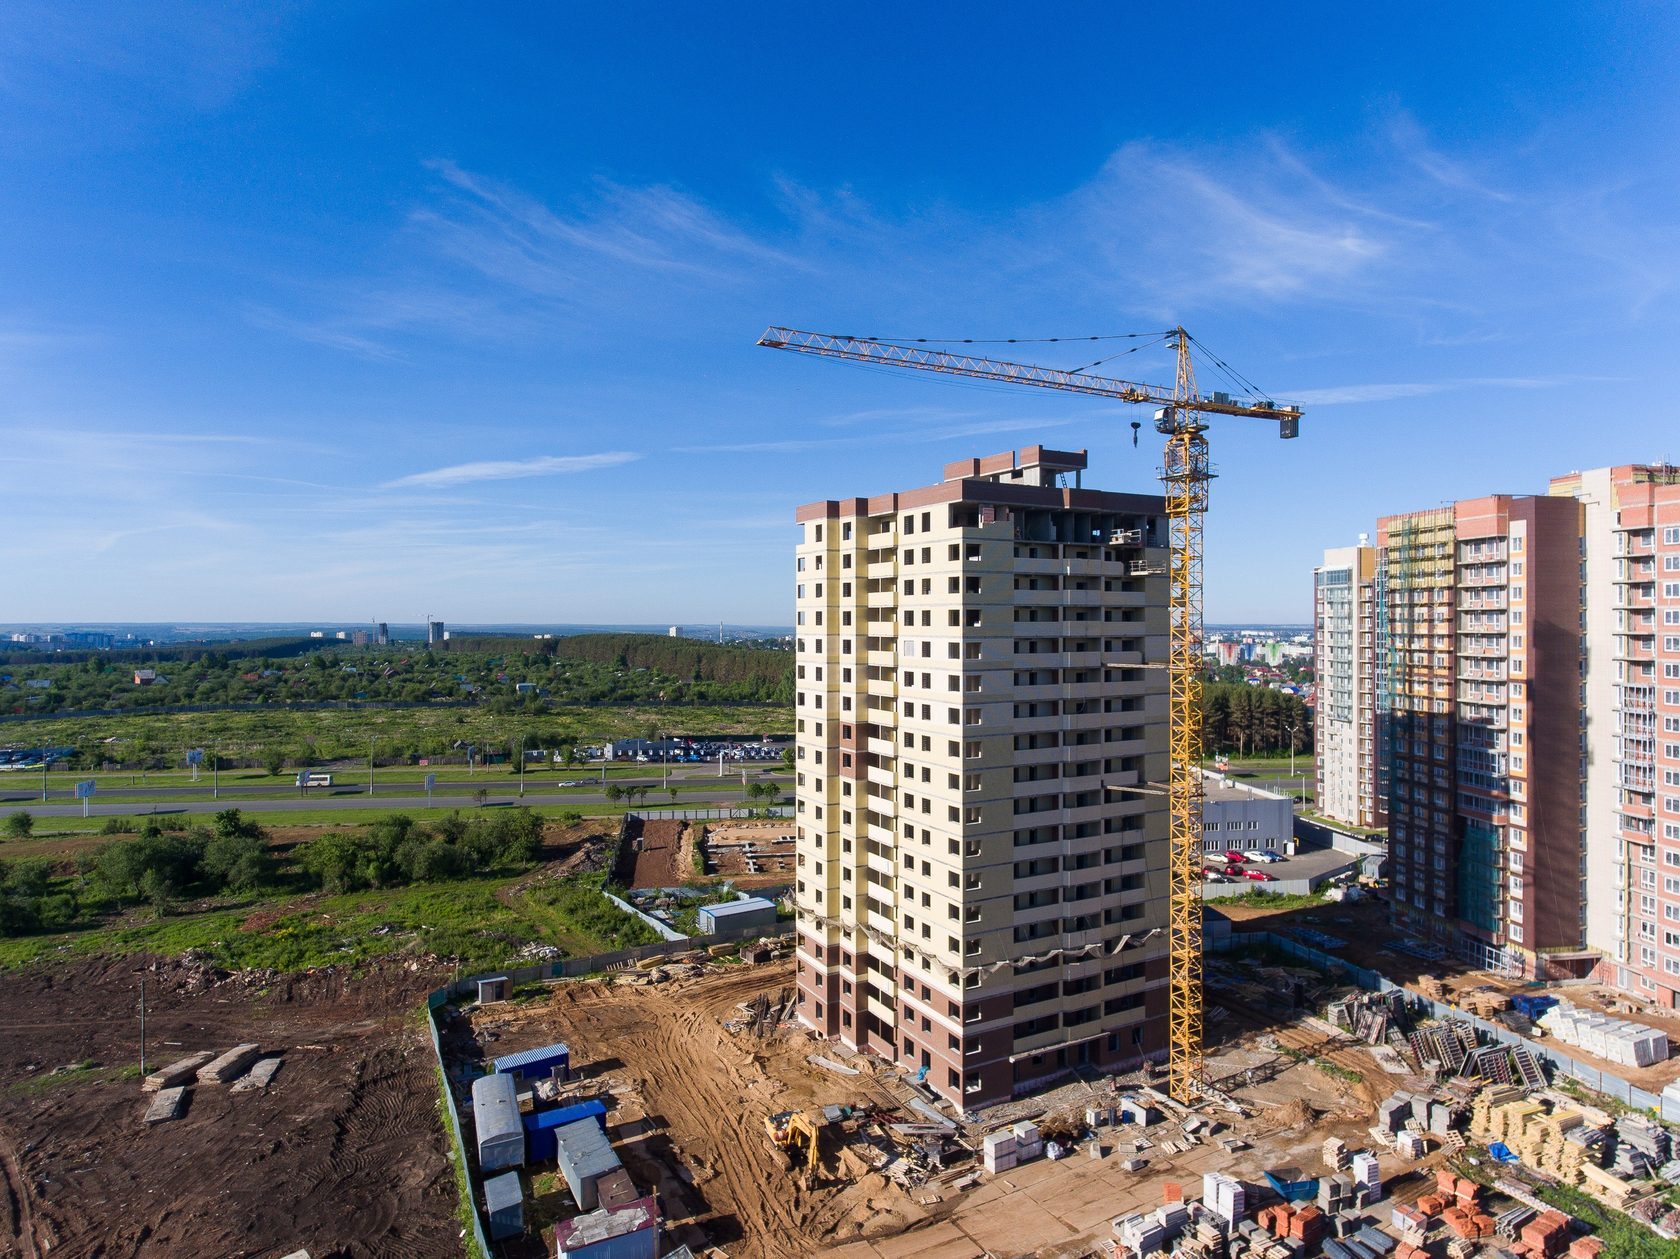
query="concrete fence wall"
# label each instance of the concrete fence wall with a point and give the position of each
(741, 814)
(1594, 1078)
(475, 1243)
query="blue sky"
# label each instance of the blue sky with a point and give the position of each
(348, 311)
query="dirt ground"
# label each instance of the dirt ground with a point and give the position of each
(773, 852)
(689, 1097)
(660, 855)
(343, 1153)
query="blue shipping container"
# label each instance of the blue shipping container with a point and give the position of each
(539, 1127)
(532, 1063)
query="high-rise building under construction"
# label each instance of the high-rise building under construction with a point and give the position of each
(1479, 716)
(981, 712)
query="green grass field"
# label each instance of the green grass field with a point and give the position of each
(342, 734)
(466, 919)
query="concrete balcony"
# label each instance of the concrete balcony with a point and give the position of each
(880, 747)
(882, 599)
(880, 834)
(881, 865)
(881, 659)
(881, 1010)
(884, 925)
(881, 777)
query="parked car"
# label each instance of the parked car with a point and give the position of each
(1215, 876)
(1234, 857)
(1260, 876)
(1258, 855)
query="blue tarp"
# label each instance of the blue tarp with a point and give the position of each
(1293, 1190)
(1502, 1152)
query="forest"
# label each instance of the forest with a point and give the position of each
(512, 675)
(1253, 720)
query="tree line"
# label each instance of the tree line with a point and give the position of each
(169, 862)
(1253, 720)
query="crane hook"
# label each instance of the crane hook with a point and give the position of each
(1135, 427)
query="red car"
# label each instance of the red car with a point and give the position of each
(1260, 876)
(1234, 857)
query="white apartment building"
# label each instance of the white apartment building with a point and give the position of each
(1344, 669)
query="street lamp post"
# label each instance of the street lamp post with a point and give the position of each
(370, 764)
(521, 767)
(215, 769)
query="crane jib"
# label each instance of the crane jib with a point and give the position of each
(864, 350)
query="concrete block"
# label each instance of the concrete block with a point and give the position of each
(167, 1105)
(180, 1071)
(259, 1076)
(229, 1066)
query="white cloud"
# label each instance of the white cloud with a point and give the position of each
(509, 469)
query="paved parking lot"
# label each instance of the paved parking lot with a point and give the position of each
(1296, 874)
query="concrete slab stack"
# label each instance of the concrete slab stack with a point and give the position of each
(229, 1066)
(997, 1152)
(1367, 1176)
(1615, 1040)
(1028, 1143)
(182, 1071)
(1394, 1111)
(1337, 1194)
(1225, 1196)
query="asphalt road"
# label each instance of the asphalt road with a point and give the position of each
(346, 799)
(346, 783)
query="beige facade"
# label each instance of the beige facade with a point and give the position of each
(1344, 670)
(978, 895)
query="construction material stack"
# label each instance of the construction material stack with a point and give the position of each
(1616, 1040)
(1367, 1177)
(1225, 1196)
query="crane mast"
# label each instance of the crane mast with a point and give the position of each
(1185, 473)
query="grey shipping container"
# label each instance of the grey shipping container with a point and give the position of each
(583, 1154)
(536, 1063)
(741, 915)
(504, 1205)
(501, 1136)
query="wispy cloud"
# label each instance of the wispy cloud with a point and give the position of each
(479, 258)
(1339, 394)
(510, 469)
(1413, 144)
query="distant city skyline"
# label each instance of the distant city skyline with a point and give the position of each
(365, 308)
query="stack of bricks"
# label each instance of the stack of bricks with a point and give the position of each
(1460, 1201)
(1462, 1248)
(1543, 1236)
(1585, 1248)
(1277, 1219)
(1308, 1226)
(1335, 1154)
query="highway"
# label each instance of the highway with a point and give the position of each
(346, 799)
(349, 781)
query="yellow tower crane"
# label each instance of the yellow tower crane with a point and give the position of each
(1185, 473)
